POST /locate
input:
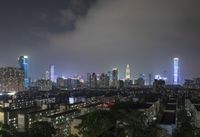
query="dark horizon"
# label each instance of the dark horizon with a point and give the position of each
(81, 36)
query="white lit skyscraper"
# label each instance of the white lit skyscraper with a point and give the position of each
(51, 70)
(128, 72)
(176, 71)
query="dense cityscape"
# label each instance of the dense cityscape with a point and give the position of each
(99, 68)
(70, 105)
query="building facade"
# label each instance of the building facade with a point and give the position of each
(11, 79)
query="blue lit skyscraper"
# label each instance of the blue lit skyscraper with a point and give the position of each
(23, 65)
(176, 71)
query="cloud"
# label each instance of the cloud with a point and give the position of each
(146, 34)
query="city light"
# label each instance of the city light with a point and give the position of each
(176, 71)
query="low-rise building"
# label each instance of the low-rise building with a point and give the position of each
(61, 121)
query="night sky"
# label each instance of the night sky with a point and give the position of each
(81, 36)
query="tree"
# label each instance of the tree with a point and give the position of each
(6, 130)
(134, 121)
(96, 123)
(42, 129)
(186, 129)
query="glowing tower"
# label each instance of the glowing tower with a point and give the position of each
(128, 72)
(176, 71)
(51, 74)
(23, 65)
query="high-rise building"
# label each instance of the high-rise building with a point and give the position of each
(150, 79)
(93, 80)
(60, 82)
(114, 78)
(11, 79)
(47, 75)
(109, 73)
(114, 74)
(23, 65)
(128, 72)
(88, 84)
(104, 81)
(51, 74)
(176, 71)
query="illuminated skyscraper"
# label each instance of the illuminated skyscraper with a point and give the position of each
(128, 72)
(51, 70)
(176, 71)
(23, 65)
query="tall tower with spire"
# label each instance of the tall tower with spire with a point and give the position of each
(128, 72)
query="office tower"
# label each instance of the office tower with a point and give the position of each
(11, 79)
(150, 79)
(109, 73)
(94, 80)
(128, 72)
(88, 84)
(47, 75)
(23, 65)
(114, 77)
(60, 82)
(104, 81)
(114, 74)
(176, 71)
(51, 74)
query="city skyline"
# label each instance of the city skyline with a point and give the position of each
(125, 73)
(81, 37)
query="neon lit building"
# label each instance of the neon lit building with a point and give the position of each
(128, 72)
(23, 65)
(176, 71)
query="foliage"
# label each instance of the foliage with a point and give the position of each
(6, 130)
(42, 129)
(96, 123)
(186, 129)
(122, 120)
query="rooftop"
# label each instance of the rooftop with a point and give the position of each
(63, 113)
